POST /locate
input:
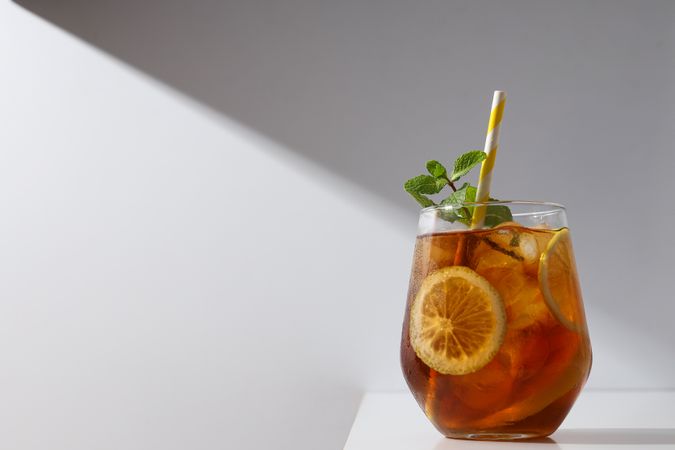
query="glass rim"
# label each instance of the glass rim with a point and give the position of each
(552, 205)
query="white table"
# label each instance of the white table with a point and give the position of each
(623, 420)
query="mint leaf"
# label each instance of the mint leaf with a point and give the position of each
(425, 184)
(450, 215)
(497, 214)
(465, 163)
(436, 169)
(466, 193)
(422, 199)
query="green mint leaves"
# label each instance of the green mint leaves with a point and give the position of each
(465, 163)
(421, 186)
(436, 169)
(424, 184)
(465, 194)
(496, 214)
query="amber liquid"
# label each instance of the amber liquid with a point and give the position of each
(528, 388)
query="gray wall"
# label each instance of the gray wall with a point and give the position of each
(205, 239)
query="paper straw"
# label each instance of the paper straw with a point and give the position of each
(482, 195)
(491, 145)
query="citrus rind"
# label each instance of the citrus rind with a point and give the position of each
(457, 321)
(560, 238)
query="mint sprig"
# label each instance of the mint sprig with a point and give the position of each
(421, 186)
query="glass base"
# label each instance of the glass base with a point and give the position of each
(487, 436)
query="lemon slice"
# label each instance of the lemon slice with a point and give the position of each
(559, 282)
(457, 321)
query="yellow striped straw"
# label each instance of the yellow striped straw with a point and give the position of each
(491, 145)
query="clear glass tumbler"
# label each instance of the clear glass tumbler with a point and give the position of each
(495, 344)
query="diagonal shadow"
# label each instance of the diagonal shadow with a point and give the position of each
(368, 91)
(371, 90)
(309, 75)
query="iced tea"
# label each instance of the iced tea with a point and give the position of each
(541, 356)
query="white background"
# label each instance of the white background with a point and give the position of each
(204, 242)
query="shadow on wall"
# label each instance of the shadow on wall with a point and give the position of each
(337, 83)
(371, 91)
(368, 91)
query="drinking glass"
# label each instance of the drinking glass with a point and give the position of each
(495, 344)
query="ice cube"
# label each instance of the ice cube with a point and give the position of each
(506, 247)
